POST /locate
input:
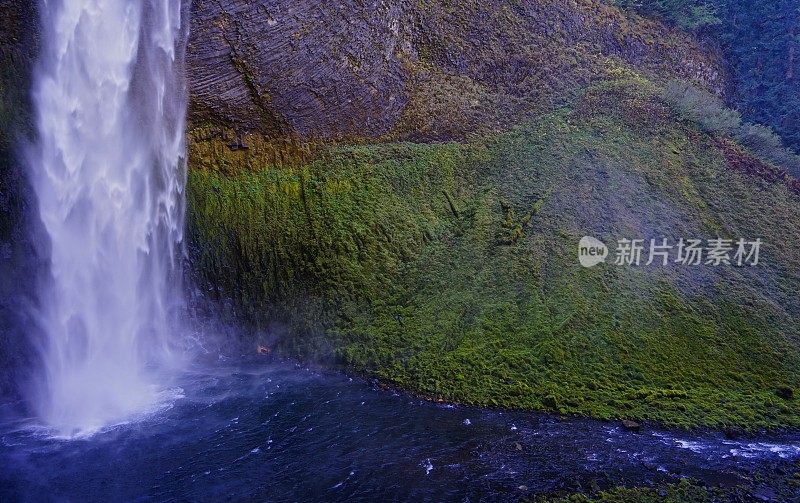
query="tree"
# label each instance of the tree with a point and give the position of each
(689, 15)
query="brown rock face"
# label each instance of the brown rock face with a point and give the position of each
(423, 70)
(300, 67)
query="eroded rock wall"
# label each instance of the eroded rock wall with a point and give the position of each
(21, 253)
(304, 67)
(415, 69)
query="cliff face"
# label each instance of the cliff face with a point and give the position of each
(308, 68)
(425, 70)
(404, 69)
(20, 253)
(446, 267)
(449, 267)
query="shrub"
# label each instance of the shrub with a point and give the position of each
(685, 14)
(760, 39)
(712, 116)
(703, 108)
(765, 143)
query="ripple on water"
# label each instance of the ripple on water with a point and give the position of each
(312, 440)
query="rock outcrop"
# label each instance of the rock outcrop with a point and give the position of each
(20, 252)
(449, 267)
(408, 69)
(306, 68)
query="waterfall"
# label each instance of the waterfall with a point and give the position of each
(109, 174)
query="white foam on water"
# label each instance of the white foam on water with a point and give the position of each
(744, 449)
(760, 449)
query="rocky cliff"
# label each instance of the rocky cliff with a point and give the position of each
(443, 163)
(21, 255)
(415, 69)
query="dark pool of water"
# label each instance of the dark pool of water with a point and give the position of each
(282, 433)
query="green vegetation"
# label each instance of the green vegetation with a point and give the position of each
(451, 269)
(761, 44)
(685, 14)
(299, 241)
(682, 492)
(765, 484)
(711, 114)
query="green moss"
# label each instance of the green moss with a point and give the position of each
(682, 492)
(451, 270)
(320, 235)
(779, 483)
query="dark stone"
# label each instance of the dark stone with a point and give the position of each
(633, 426)
(785, 392)
(310, 70)
(22, 248)
(299, 67)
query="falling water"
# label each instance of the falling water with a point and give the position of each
(109, 175)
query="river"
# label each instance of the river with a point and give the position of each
(282, 432)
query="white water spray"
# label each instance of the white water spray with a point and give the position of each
(109, 175)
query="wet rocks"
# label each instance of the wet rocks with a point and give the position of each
(764, 493)
(631, 426)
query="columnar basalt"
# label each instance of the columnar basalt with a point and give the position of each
(423, 70)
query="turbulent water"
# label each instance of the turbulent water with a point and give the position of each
(109, 176)
(277, 432)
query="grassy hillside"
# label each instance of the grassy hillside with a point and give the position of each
(451, 269)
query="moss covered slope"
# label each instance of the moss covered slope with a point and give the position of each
(451, 269)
